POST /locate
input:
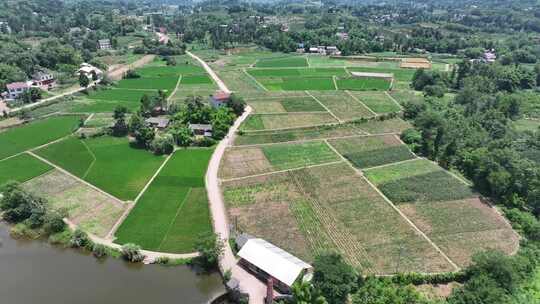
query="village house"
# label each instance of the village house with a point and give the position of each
(4, 27)
(489, 56)
(313, 50)
(201, 129)
(104, 44)
(342, 35)
(333, 51)
(44, 80)
(220, 99)
(273, 265)
(15, 89)
(158, 122)
(89, 71)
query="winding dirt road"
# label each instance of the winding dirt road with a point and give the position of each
(248, 283)
(222, 86)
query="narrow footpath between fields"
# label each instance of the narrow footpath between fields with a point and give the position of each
(248, 283)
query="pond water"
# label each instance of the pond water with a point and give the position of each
(37, 272)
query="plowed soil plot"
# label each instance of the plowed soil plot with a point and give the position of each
(370, 151)
(88, 208)
(445, 209)
(239, 162)
(311, 210)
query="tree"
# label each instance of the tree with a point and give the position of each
(132, 253)
(31, 95)
(182, 135)
(304, 293)
(382, 291)
(142, 132)
(146, 106)
(163, 144)
(221, 118)
(18, 205)
(334, 278)
(237, 104)
(120, 127)
(210, 248)
(84, 82)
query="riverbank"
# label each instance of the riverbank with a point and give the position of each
(60, 275)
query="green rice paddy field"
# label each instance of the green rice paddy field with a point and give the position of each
(108, 163)
(173, 211)
(293, 61)
(36, 133)
(128, 92)
(21, 168)
(318, 79)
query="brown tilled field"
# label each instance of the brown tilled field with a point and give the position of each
(93, 211)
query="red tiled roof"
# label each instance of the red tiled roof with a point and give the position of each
(17, 85)
(220, 95)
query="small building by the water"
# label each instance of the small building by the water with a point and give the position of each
(271, 263)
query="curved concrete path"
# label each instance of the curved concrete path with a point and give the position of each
(248, 283)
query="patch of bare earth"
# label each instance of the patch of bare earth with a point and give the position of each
(91, 210)
(437, 292)
(239, 162)
(260, 207)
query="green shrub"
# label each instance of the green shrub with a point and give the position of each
(61, 238)
(80, 239)
(162, 260)
(99, 251)
(204, 142)
(54, 222)
(132, 253)
(162, 145)
(22, 231)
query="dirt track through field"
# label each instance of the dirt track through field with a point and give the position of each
(119, 71)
